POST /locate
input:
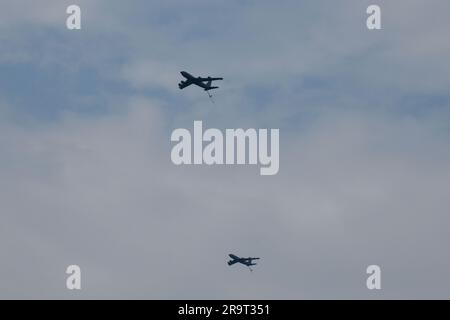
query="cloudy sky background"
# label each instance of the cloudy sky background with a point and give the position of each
(85, 170)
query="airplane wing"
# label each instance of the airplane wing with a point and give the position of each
(184, 84)
(231, 262)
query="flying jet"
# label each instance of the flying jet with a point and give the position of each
(205, 83)
(245, 261)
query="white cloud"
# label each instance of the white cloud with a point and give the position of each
(103, 193)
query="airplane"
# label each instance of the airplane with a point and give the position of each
(205, 83)
(245, 261)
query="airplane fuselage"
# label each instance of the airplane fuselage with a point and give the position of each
(187, 75)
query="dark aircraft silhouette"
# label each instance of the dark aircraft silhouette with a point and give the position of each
(205, 83)
(245, 261)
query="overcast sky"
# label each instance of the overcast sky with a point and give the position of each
(85, 170)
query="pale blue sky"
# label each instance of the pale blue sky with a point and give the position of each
(86, 177)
